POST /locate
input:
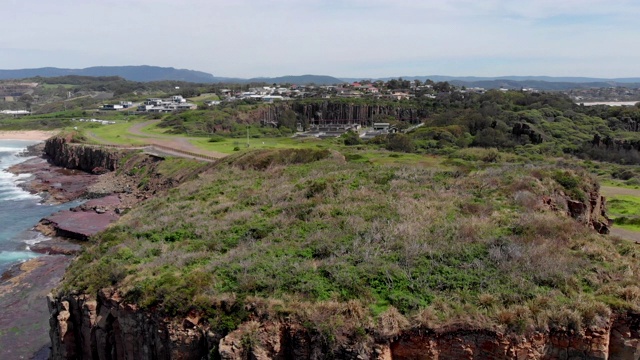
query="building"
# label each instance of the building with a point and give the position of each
(15, 113)
(112, 107)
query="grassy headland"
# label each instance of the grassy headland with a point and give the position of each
(305, 235)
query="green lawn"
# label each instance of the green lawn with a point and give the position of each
(625, 211)
(618, 183)
(115, 133)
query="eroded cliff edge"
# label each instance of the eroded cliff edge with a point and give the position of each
(109, 328)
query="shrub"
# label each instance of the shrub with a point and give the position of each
(216, 138)
(400, 142)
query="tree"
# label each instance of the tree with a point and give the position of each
(288, 119)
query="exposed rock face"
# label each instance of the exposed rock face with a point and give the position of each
(591, 212)
(83, 157)
(322, 112)
(108, 328)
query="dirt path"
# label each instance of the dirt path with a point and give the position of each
(609, 191)
(626, 234)
(174, 142)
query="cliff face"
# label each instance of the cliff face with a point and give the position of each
(62, 152)
(338, 112)
(108, 328)
(590, 211)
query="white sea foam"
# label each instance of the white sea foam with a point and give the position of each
(39, 238)
(10, 149)
(16, 205)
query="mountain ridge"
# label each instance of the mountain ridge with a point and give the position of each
(148, 73)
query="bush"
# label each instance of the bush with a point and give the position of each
(400, 142)
(216, 138)
(351, 138)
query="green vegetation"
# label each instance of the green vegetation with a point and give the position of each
(304, 234)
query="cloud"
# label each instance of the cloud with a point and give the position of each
(336, 37)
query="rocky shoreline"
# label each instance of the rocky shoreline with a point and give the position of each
(24, 329)
(61, 172)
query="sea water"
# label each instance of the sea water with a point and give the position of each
(19, 210)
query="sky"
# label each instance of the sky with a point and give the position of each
(342, 38)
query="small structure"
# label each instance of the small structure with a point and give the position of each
(112, 107)
(381, 126)
(15, 113)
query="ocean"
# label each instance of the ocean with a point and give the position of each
(19, 210)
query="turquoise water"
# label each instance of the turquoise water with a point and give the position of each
(19, 210)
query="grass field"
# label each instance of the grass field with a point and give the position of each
(618, 183)
(625, 211)
(114, 133)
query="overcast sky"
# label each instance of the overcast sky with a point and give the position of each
(343, 38)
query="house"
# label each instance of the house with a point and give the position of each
(160, 109)
(381, 126)
(271, 98)
(15, 113)
(112, 107)
(398, 96)
(350, 94)
(153, 101)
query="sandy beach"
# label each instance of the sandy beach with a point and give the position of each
(26, 135)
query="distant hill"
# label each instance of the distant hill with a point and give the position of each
(515, 78)
(142, 73)
(299, 79)
(145, 73)
(518, 82)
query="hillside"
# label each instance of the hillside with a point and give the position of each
(298, 79)
(145, 73)
(141, 73)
